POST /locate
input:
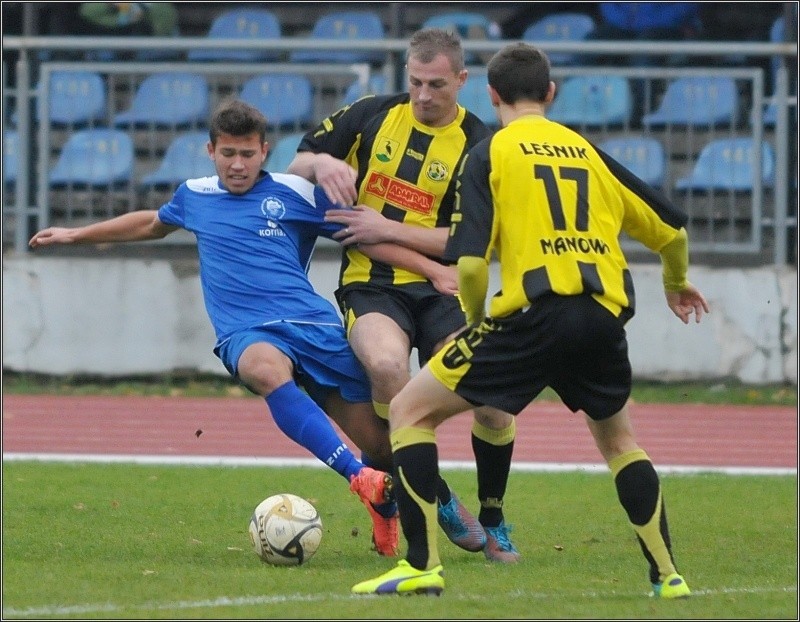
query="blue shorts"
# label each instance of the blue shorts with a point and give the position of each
(323, 360)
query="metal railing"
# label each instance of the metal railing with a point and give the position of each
(759, 224)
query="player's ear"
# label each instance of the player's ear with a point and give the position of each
(493, 96)
(551, 93)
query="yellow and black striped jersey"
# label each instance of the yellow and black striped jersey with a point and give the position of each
(551, 206)
(406, 170)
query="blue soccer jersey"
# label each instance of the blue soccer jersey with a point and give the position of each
(254, 249)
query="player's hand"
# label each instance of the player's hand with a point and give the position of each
(52, 235)
(445, 279)
(362, 225)
(337, 179)
(687, 301)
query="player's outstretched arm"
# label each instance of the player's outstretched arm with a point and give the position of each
(443, 278)
(364, 225)
(130, 227)
(334, 176)
(683, 298)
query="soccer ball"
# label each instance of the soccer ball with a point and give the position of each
(285, 530)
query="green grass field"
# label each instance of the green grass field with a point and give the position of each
(115, 541)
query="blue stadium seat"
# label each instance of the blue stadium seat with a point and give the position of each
(375, 86)
(696, 101)
(75, 98)
(285, 99)
(728, 164)
(645, 157)
(173, 99)
(467, 25)
(560, 27)
(10, 157)
(241, 23)
(94, 157)
(283, 152)
(592, 101)
(344, 25)
(475, 98)
(186, 158)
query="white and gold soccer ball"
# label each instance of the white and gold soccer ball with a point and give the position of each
(285, 530)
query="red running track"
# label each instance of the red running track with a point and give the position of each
(677, 435)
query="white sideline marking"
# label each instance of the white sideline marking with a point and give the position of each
(225, 601)
(528, 467)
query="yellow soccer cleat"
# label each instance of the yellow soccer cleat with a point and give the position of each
(404, 579)
(674, 586)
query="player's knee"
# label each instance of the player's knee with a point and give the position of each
(492, 418)
(387, 373)
(263, 379)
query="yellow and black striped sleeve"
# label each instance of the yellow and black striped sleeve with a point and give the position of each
(337, 134)
(643, 204)
(471, 229)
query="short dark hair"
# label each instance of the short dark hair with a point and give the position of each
(519, 71)
(427, 43)
(237, 118)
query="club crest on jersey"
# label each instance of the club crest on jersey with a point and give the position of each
(274, 209)
(386, 148)
(437, 170)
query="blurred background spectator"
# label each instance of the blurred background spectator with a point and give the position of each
(645, 21)
(529, 12)
(159, 19)
(110, 19)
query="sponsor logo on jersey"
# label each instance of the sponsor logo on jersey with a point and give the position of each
(386, 149)
(400, 193)
(437, 171)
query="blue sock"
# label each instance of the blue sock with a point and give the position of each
(388, 509)
(299, 418)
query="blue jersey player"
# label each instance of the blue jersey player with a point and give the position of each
(255, 235)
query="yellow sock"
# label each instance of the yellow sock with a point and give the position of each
(382, 410)
(495, 437)
(640, 494)
(416, 467)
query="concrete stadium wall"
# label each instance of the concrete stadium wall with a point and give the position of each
(119, 317)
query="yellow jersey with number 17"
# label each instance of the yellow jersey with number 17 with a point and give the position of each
(552, 206)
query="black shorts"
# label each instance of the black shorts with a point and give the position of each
(570, 343)
(424, 314)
